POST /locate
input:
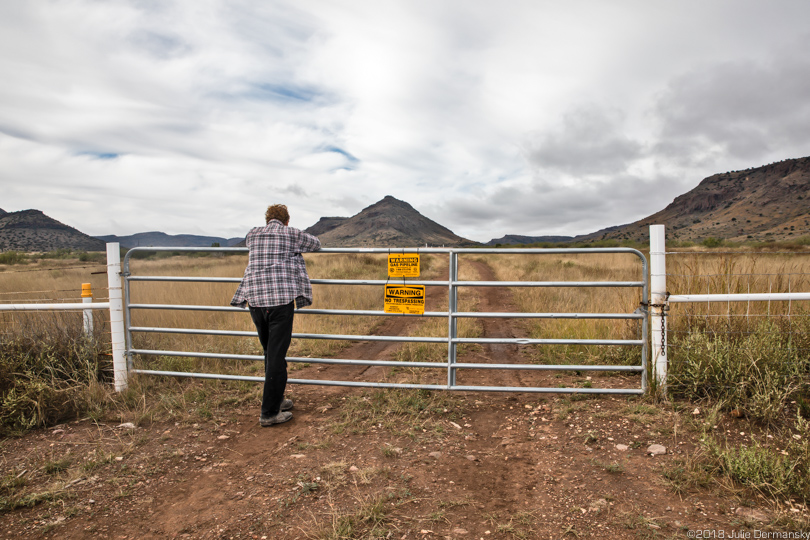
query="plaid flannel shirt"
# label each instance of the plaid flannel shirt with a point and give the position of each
(276, 273)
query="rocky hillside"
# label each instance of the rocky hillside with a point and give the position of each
(31, 230)
(764, 203)
(387, 223)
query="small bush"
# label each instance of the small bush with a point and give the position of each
(13, 257)
(779, 475)
(63, 253)
(758, 374)
(712, 242)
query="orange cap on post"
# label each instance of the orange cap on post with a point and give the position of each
(86, 291)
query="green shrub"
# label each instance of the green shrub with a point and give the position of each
(712, 242)
(94, 256)
(13, 257)
(779, 475)
(759, 374)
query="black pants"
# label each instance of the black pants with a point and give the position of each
(274, 325)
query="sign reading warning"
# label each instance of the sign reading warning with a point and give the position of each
(403, 265)
(408, 299)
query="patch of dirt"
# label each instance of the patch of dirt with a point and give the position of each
(470, 465)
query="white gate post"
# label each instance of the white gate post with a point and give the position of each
(658, 299)
(116, 316)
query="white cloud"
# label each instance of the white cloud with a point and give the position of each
(525, 117)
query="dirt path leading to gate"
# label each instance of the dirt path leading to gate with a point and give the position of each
(469, 465)
(494, 299)
(436, 300)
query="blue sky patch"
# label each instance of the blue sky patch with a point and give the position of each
(100, 155)
(342, 152)
(290, 93)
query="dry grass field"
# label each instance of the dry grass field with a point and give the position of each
(693, 271)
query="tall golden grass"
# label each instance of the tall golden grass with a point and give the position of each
(575, 267)
(705, 272)
(49, 281)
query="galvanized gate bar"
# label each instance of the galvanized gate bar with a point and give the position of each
(365, 384)
(239, 333)
(385, 363)
(500, 315)
(470, 314)
(526, 341)
(542, 367)
(185, 279)
(452, 339)
(548, 283)
(305, 311)
(303, 360)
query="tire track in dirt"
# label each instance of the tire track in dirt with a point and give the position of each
(490, 299)
(496, 300)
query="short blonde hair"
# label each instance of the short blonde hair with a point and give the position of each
(277, 211)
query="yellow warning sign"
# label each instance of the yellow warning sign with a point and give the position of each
(408, 299)
(403, 265)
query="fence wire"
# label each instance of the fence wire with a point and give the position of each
(716, 346)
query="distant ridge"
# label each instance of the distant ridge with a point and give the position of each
(386, 223)
(516, 239)
(161, 239)
(762, 203)
(31, 230)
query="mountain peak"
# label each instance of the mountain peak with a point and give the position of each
(388, 222)
(389, 201)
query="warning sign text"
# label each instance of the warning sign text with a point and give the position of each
(403, 265)
(408, 299)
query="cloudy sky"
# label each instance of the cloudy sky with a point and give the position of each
(514, 117)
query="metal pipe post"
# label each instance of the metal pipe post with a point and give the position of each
(452, 328)
(658, 299)
(116, 316)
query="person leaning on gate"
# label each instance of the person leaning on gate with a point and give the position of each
(274, 284)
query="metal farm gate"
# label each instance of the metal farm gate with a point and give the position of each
(451, 364)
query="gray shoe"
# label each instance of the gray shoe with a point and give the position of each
(280, 418)
(286, 405)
